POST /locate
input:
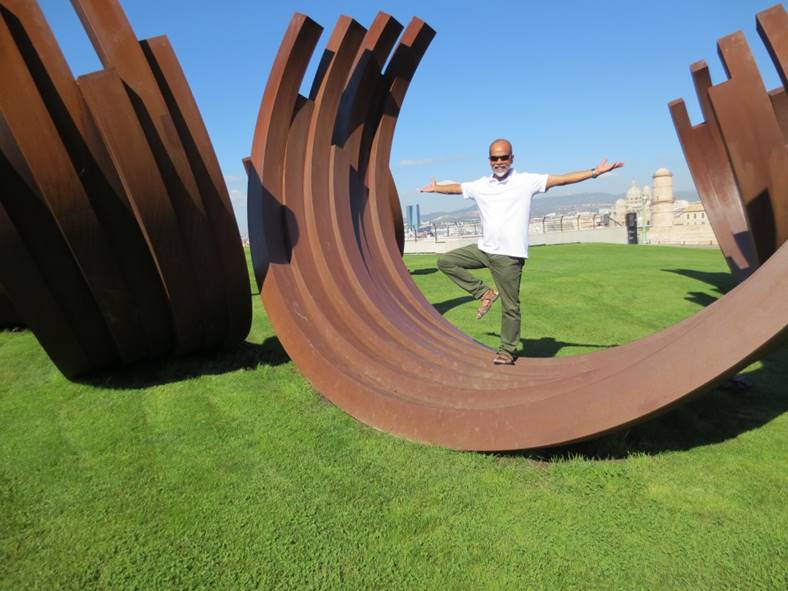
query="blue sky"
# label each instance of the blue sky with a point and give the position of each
(568, 82)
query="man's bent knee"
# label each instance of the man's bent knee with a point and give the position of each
(444, 263)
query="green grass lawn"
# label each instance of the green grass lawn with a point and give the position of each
(229, 471)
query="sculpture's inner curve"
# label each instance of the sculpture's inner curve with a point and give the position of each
(346, 310)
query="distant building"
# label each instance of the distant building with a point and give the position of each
(663, 219)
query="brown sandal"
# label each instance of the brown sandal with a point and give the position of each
(488, 299)
(503, 358)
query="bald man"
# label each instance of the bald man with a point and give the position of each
(504, 202)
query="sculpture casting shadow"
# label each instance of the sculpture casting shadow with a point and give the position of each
(721, 282)
(427, 271)
(716, 416)
(546, 347)
(444, 307)
(246, 355)
(549, 347)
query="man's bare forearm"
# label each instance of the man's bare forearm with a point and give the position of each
(582, 175)
(570, 177)
(444, 188)
(449, 189)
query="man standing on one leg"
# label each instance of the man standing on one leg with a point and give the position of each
(504, 201)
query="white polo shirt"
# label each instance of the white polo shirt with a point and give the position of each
(505, 208)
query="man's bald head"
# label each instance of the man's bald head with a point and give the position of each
(501, 157)
(500, 147)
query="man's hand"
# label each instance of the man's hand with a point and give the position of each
(431, 188)
(604, 166)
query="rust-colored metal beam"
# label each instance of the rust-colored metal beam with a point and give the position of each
(76, 130)
(8, 315)
(705, 153)
(347, 312)
(118, 48)
(113, 195)
(755, 144)
(737, 156)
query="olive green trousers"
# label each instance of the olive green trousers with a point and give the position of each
(506, 272)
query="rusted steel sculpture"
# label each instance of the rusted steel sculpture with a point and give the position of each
(341, 301)
(8, 316)
(119, 240)
(737, 156)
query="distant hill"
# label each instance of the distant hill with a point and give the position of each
(546, 204)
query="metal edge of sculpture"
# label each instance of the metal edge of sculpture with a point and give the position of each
(8, 316)
(739, 164)
(119, 239)
(339, 297)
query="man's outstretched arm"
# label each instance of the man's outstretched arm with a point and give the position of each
(446, 189)
(582, 175)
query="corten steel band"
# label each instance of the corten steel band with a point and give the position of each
(118, 48)
(8, 315)
(704, 151)
(737, 156)
(772, 24)
(344, 307)
(295, 177)
(42, 139)
(112, 194)
(68, 112)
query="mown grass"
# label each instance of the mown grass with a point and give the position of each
(229, 471)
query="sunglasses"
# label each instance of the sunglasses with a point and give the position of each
(499, 158)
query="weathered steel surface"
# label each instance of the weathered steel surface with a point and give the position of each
(711, 170)
(113, 198)
(738, 156)
(322, 221)
(8, 316)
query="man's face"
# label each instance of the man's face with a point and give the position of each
(501, 158)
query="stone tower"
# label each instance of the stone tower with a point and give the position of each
(662, 199)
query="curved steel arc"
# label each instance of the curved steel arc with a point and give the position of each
(705, 153)
(8, 315)
(307, 266)
(738, 155)
(28, 125)
(303, 253)
(755, 145)
(347, 209)
(118, 48)
(113, 194)
(135, 164)
(347, 312)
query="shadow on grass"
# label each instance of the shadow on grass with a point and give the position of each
(700, 298)
(547, 346)
(246, 356)
(444, 307)
(427, 271)
(709, 418)
(715, 416)
(721, 282)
